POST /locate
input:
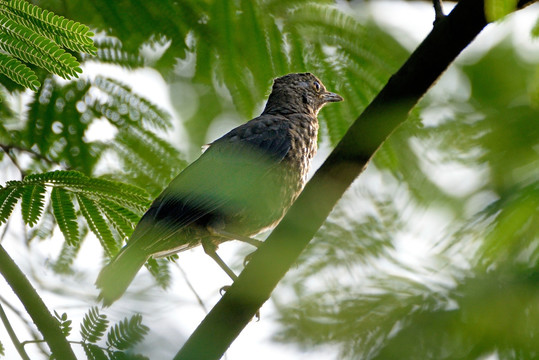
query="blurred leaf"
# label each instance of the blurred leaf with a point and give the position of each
(496, 9)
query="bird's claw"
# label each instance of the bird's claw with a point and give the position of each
(248, 258)
(224, 289)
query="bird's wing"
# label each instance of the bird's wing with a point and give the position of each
(228, 170)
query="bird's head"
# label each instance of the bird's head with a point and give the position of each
(299, 93)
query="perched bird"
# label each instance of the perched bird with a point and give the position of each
(241, 185)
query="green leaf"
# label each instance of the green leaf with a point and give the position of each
(535, 29)
(9, 196)
(65, 323)
(497, 9)
(127, 333)
(159, 268)
(33, 200)
(65, 214)
(120, 355)
(93, 325)
(123, 219)
(111, 51)
(23, 51)
(62, 265)
(67, 64)
(126, 105)
(98, 224)
(94, 352)
(18, 72)
(68, 33)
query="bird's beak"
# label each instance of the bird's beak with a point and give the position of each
(332, 97)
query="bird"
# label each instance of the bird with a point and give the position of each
(241, 185)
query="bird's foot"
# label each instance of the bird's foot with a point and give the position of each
(248, 258)
(225, 288)
(218, 231)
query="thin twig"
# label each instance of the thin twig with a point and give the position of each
(8, 147)
(12, 335)
(193, 290)
(35, 307)
(438, 10)
(13, 160)
(4, 232)
(23, 318)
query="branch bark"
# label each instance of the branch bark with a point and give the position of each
(387, 111)
(35, 307)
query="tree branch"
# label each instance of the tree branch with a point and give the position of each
(8, 147)
(386, 112)
(12, 335)
(35, 307)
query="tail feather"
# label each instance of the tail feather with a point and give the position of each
(114, 278)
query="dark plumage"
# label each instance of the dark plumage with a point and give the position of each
(241, 185)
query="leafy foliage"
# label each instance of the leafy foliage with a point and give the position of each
(121, 336)
(67, 256)
(474, 292)
(94, 352)
(160, 271)
(353, 59)
(497, 9)
(65, 323)
(2, 350)
(18, 72)
(36, 36)
(110, 50)
(93, 325)
(98, 201)
(127, 333)
(472, 295)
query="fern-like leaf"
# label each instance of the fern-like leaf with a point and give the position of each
(93, 325)
(18, 72)
(160, 271)
(68, 33)
(65, 323)
(2, 350)
(148, 158)
(33, 200)
(121, 193)
(62, 265)
(45, 227)
(9, 196)
(21, 50)
(94, 352)
(64, 212)
(120, 355)
(98, 224)
(68, 65)
(123, 103)
(127, 333)
(106, 205)
(77, 182)
(123, 219)
(110, 50)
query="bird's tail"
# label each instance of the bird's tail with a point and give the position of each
(114, 278)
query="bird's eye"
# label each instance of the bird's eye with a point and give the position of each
(317, 86)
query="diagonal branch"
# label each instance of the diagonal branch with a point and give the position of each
(45, 322)
(387, 111)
